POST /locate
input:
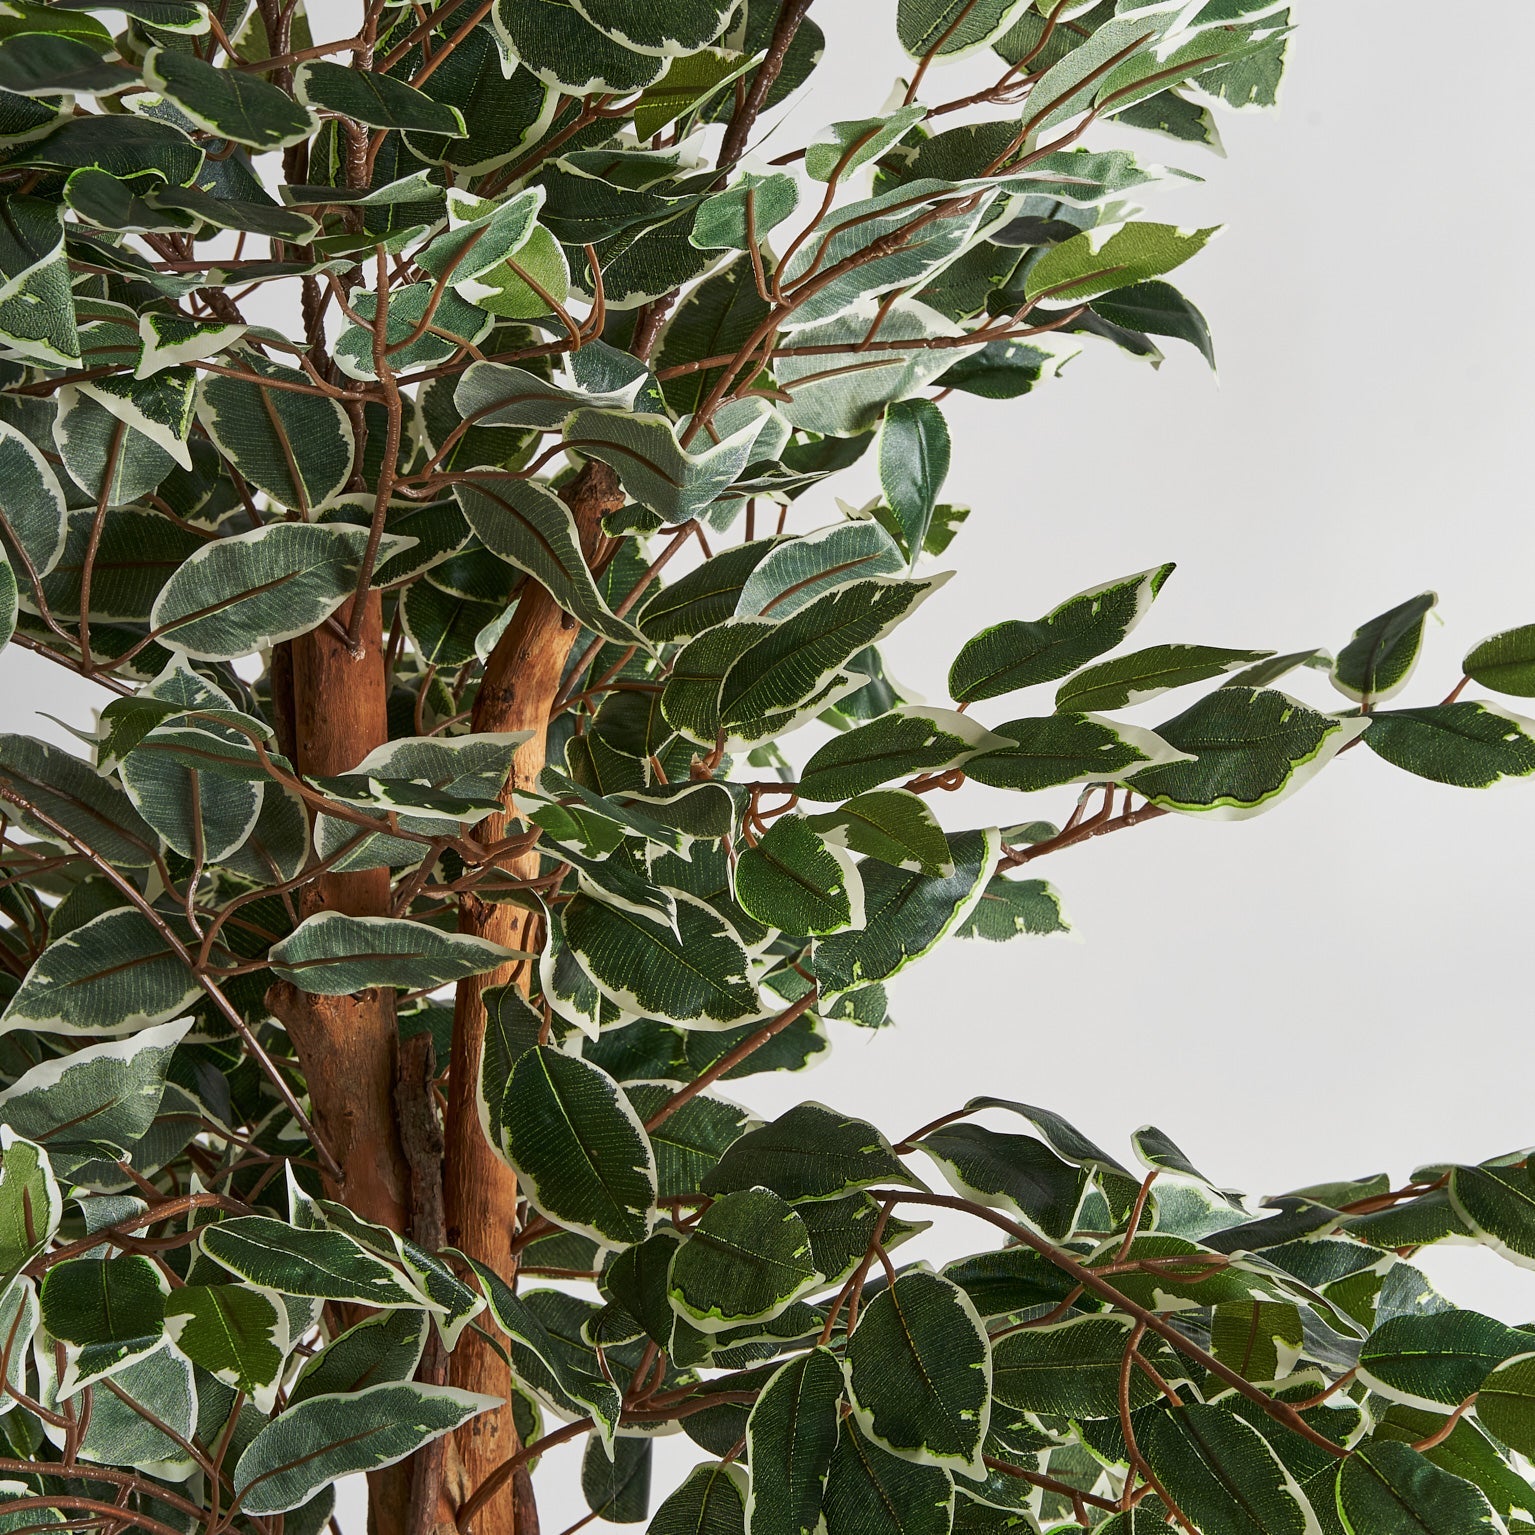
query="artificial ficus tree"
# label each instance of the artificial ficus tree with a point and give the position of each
(419, 438)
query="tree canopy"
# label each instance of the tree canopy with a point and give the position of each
(497, 766)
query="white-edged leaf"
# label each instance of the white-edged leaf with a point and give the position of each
(331, 954)
(320, 1440)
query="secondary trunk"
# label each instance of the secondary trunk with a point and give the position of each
(335, 714)
(522, 679)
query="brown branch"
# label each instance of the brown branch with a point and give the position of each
(745, 116)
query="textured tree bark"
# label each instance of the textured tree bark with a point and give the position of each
(522, 679)
(347, 1046)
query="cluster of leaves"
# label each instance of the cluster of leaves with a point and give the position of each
(512, 258)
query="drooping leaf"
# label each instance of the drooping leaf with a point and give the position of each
(1158, 309)
(791, 1437)
(1018, 654)
(31, 1204)
(1015, 1173)
(615, 1479)
(8, 603)
(675, 482)
(914, 455)
(32, 516)
(1505, 1402)
(711, 1502)
(254, 421)
(533, 530)
(869, 1489)
(549, 1352)
(919, 1373)
(1498, 1206)
(578, 1147)
(1222, 1473)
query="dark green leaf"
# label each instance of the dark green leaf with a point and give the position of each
(616, 1481)
(1221, 1472)
(791, 1438)
(1376, 664)
(747, 1259)
(711, 1502)
(809, 1153)
(1437, 1360)
(1505, 662)
(1067, 748)
(895, 826)
(1009, 908)
(1015, 1173)
(869, 1490)
(1471, 744)
(916, 739)
(795, 880)
(378, 100)
(1129, 680)
(1159, 309)
(1390, 1486)
(234, 104)
(919, 1373)
(1018, 654)
(1251, 748)
(578, 1147)
(906, 915)
(106, 1313)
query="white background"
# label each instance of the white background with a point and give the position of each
(1342, 986)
